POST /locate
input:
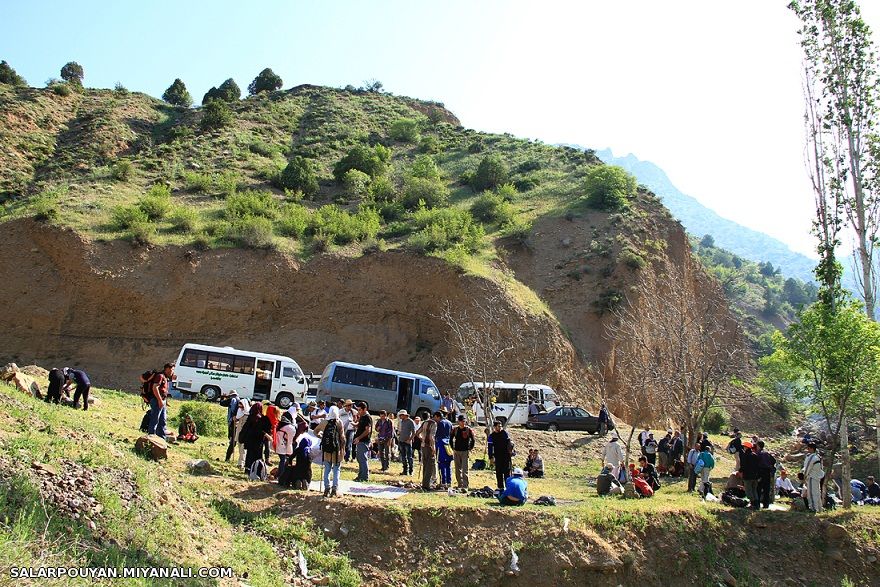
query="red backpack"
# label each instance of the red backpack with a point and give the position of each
(642, 487)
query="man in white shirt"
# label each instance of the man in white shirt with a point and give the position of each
(692, 457)
(348, 418)
(813, 474)
(784, 487)
(614, 454)
(319, 413)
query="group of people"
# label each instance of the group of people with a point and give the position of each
(62, 380)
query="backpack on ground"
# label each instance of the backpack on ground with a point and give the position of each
(258, 471)
(330, 438)
(733, 500)
(145, 422)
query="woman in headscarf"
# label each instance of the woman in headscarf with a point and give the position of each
(254, 433)
(284, 436)
(272, 413)
(302, 468)
(332, 460)
(187, 430)
(241, 415)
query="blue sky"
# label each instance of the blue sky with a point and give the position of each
(709, 91)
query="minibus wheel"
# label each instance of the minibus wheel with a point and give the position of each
(211, 393)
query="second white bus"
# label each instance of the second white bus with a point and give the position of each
(511, 403)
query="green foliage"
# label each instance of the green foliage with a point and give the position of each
(198, 182)
(121, 170)
(45, 207)
(425, 167)
(445, 229)
(517, 230)
(608, 301)
(227, 92)
(9, 76)
(632, 258)
(422, 192)
(266, 81)
(253, 232)
(609, 188)
(210, 420)
(372, 161)
(142, 233)
(707, 242)
(120, 89)
(300, 175)
(184, 219)
(491, 173)
(124, 217)
(251, 203)
(430, 144)
(216, 114)
(73, 73)
(156, 203)
(383, 190)
(177, 94)
(492, 208)
(716, 420)
(405, 130)
(356, 183)
(340, 227)
(60, 88)
(293, 220)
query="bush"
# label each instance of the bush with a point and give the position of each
(72, 72)
(266, 81)
(177, 94)
(525, 184)
(491, 173)
(425, 167)
(716, 420)
(507, 192)
(251, 203)
(156, 203)
(609, 188)
(9, 76)
(300, 175)
(356, 183)
(430, 144)
(143, 233)
(120, 89)
(420, 192)
(121, 170)
(227, 92)
(371, 160)
(517, 231)
(608, 301)
(340, 227)
(216, 115)
(253, 232)
(632, 258)
(45, 208)
(444, 229)
(61, 88)
(261, 147)
(184, 219)
(293, 220)
(492, 208)
(201, 183)
(405, 129)
(383, 190)
(124, 217)
(208, 418)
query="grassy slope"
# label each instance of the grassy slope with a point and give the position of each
(224, 520)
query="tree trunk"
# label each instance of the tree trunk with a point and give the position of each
(877, 427)
(629, 440)
(845, 473)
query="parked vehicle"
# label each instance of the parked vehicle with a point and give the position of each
(381, 389)
(511, 403)
(215, 371)
(566, 418)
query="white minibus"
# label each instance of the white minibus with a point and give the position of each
(511, 405)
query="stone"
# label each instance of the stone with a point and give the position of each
(152, 445)
(836, 555)
(835, 533)
(320, 580)
(566, 242)
(45, 469)
(728, 579)
(199, 467)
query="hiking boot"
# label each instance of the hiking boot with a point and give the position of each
(326, 492)
(333, 491)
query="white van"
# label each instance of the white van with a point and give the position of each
(505, 407)
(214, 371)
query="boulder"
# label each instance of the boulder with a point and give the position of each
(152, 445)
(200, 467)
(20, 380)
(835, 533)
(44, 469)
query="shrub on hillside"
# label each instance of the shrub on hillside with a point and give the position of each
(428, 193)
(253, 232)
(443, 229)
(177, 94)
(9, 76)
(261, 147)
(430, 144)
(45, 207)
(266, 81)
(383, 190)
(120, 90)
(300, 175)
(491, 173)
(293, 220)
(142, 233)
(73, 73)
(608, 300)
(156, 203)
(371, 160)
(425, 167)
(609, 188)
(198, 182)
(716, 420)
(184, 219)
(517, 230)
(356, 183)
(492, 208)
(340, 227)
(121, 170)
(405, 129)
(632, 258)
(209, 419)
(216, 114)
(251, 203)
(123, 217)
(60, 88)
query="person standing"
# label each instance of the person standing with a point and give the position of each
(273, 414)
(231, 413)
(748, 466)
(650, 449)
(254, 433)
(332, 449)
(614, 454)
(384, 437)
(643, 438)
(735, 447)
(705, 464)
(244, 409)
(444, 450)
(348, 417)
(447, 404)
(361, 441)
(603, 420)
(766, 475)
(417, 440)
(813, 474)
(462, 444)
(159, 401)
(428, 436)
(692, 457)
(80, 380)
(663, 449)
(285, 436)
(500, 449)
(676, 449)
(56, 382)
(405, 434)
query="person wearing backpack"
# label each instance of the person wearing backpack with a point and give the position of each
(253, 434)
(284, 449)
(705, 464)
(332, 449)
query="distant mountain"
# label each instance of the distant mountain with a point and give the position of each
(700, 220)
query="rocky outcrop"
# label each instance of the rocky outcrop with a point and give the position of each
(20, 380)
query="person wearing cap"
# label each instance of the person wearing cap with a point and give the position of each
(735, 447)
(614, 454)
(813, 474)
(406, 431)
(462, 443)
(748, 461)
(650, 449)
(384, 436)
(516, 490)
(500, 453)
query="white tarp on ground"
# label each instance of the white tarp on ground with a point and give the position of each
(366, 489)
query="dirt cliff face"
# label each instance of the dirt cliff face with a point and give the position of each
(116, 310)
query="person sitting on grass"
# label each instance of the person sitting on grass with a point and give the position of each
(784, 486)
(535, 465)
(648, 472)
(873, 488)
(187, 432)
(606, 484)
(516, 490)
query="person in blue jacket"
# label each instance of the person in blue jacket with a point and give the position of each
(516, 490)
